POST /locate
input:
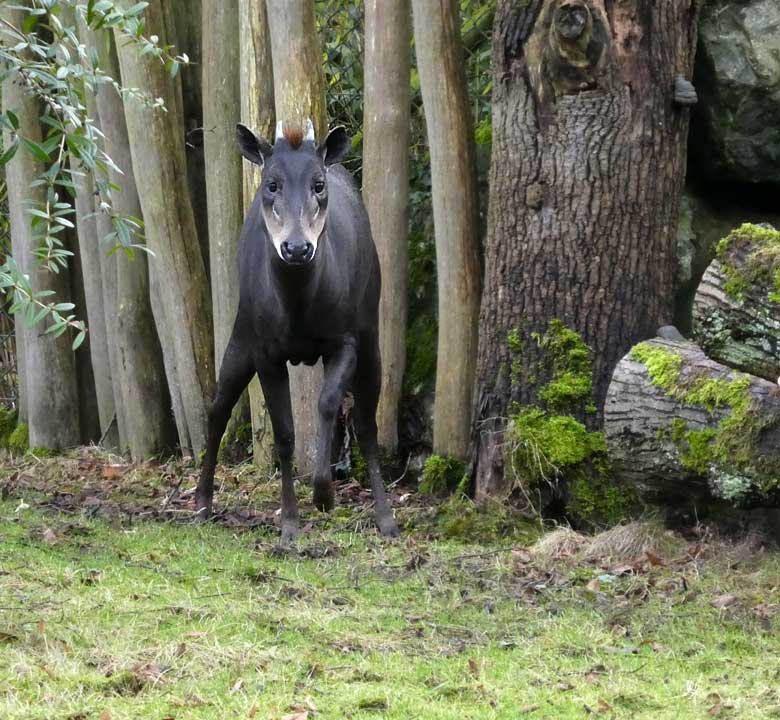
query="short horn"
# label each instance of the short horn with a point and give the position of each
(309, 131)
(279, 130)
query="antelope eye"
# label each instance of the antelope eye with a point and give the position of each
(272, 186)
(319, 186)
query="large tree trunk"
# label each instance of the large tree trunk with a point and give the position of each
(257, 111)
(680, 426)
(47, 364)
(141, 391)
(455, 218)
(299, 94)
(386, 189)
(157, 148)
(587, 170)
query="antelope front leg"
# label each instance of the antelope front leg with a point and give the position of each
(339, 369)
(276, 389)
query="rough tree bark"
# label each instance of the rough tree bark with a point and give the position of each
(587, 169)
(299, 93)
(663, 441)
(141, 391)
(386, 189)
(455, 218)
(46, 364)
(257, 111)
(157, 148)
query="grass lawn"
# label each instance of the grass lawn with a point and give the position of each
(107, 612)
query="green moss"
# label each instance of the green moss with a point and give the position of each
(571, 383)
(236, 446)
(460, 519)
(441, 475)
(547, 444)
(760, 267)
(19, 439)
(596, 498)
(7, 425)
(663, 366)
(514, 342)
(696, 449)
(549, 447)
(358, 467)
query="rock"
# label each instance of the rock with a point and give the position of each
(683, 430)
(736, 312)
(670, 332)
(735, 135)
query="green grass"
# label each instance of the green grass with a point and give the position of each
(111, 619)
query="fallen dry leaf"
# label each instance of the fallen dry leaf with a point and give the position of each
(654, 559)
(473, 667)
(594, 585)
(112, 471)
(237, 685)
(49, 536)
(602, 706)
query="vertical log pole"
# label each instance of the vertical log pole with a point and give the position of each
(257, 111)
(455, 217)
(386, 188)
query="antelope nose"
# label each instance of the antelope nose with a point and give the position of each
(296, 251)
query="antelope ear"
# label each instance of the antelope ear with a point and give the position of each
(336, 146)
(253, 148)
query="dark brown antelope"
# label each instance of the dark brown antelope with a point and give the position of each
(310, 282)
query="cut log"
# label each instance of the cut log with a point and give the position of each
(736, 312)
(684, 429)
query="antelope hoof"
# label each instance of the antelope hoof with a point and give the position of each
(203, 507)
(324, 498)
(290, 532)
(387, 526)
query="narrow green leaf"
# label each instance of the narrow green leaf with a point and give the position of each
(35, 150)
(79, 339)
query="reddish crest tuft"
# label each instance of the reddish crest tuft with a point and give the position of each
(294, 136)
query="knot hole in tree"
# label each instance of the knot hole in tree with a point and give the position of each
(572, 19)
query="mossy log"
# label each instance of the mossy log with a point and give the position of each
(736, 311)
(684, 429)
